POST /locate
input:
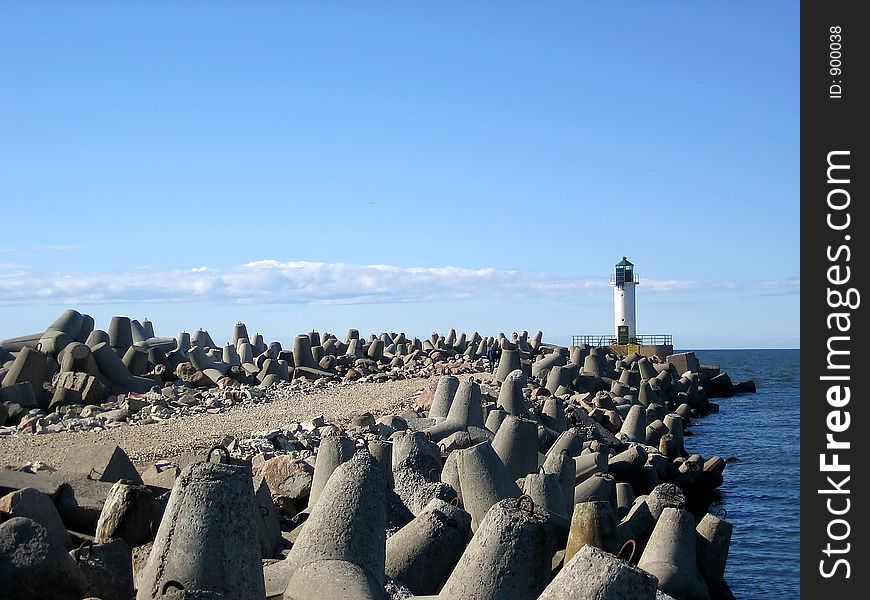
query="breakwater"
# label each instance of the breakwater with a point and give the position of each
(560, 472)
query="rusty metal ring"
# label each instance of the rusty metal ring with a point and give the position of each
(722, 512)
(455, 501)
(633, 546)
(221, 448)
(89, 544)
(428, 436)
(593, 499)
(39, 346)
(525, 498)
(429, 474)
(541, 470)
(264, 510)
(170, 582)
(564, 452)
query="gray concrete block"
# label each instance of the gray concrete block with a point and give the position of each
(33, 566)
(102, 462)
(594, 574)
(508, 557)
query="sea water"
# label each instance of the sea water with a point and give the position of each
(761, 491)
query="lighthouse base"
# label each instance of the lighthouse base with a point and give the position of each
(661, 351)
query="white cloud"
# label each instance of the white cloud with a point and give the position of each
(300, 282)
(48, 248)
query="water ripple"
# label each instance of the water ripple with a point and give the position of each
(761, 492)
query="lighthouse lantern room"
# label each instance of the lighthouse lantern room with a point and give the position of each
(624, 281)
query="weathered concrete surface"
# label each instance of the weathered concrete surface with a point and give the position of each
(344, 539)
(423, 553)
(39, 506)
(32, 566)
(508, 557)
(594, 574)
(208, 537)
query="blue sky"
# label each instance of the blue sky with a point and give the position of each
(402, 166)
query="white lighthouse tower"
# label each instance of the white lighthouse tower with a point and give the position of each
(624, 281)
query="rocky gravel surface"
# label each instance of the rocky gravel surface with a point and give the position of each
(195, 430)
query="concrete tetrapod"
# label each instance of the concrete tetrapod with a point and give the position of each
(208, 538)
(465, 411)
(120, 335)
(117, 372)
(495, 418)
(510, 395)
(542, 366)
(341, 552)
(413, 450)
(484, 480)
(670, 556)
(422, 554)
(466, 407)
(30, 367)
(570, 440)
(593, 524)
(509, 361)
(553, 415)
(450, 474)
(637, 525)
(712, 543)
(508, 558)
(302, 356)
(601, 486)
(546, 493)
(563, 466)
(587, 465)
(516, 444)
(333, 451)
(594, 574)
(634, 424)
(674, 423)
(445, 391)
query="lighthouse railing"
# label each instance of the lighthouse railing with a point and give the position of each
(655, 339)
(635, 278)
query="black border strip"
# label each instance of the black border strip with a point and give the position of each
(835, 228)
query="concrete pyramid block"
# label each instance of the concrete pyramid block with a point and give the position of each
(208, 537)
(670, 556)
(508, 558)
(593, 574)
(484, 480)
(333, 451)
(516, 444)
(423, 553)
(341, 550)
(102, 462)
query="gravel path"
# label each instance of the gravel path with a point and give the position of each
(199, 432)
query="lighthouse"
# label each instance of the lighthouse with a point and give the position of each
(624, 281)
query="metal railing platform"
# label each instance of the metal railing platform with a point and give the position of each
(655, 339)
